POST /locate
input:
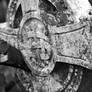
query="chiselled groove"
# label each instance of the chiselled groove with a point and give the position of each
(72, 30)
(71, 57)
(52, 2)
(5, 29)
(11, 34)
(67, 28)
(71, 60)
(8, 31)
(30, 6)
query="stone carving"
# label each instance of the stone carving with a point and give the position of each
(45, 37)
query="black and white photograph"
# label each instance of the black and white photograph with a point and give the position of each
(45, 45)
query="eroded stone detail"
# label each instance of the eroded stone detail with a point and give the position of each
(35, 46)
(63, 43)
(50, 83)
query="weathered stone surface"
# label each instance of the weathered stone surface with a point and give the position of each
(74, 44)
(68, 44)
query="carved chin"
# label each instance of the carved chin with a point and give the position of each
(80, 8)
